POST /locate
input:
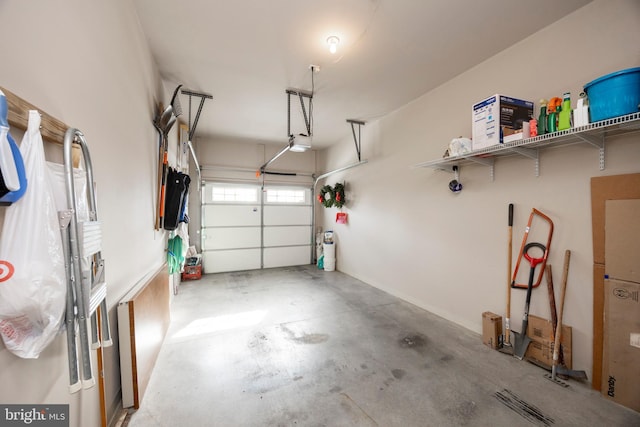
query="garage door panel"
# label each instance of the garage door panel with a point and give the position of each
(231, 238)
(287, 256)
(284, 236)
(231, 260)
(240, 231)
(287, 215)
(231, 215)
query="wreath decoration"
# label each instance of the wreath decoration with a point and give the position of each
(332, 196)
(338, 196)
(322, 196)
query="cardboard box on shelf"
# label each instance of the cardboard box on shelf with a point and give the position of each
(620, 367)
(491, 329)
(540, 351)
(496, 117)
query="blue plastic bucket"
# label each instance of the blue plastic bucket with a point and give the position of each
(615, 94)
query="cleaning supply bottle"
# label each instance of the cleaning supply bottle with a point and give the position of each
(552, 114)
(533, 126)
(581, 112)
(542, 119)
(564, 116)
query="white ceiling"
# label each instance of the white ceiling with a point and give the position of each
(246, 53)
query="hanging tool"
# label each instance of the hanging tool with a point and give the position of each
(175, 102)
(157, 123)
(8, 170)
(534, 213)
(556, 368)
(165, 169)
(163, 122)
(506, 346)
(13, 179)
(522, 340)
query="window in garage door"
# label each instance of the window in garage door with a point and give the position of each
(246, 228)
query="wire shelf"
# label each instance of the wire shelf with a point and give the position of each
(593, 134)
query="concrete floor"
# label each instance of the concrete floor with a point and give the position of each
(299, 346)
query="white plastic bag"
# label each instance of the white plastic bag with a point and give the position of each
(58, 184)
(459, 146)
(33, 297)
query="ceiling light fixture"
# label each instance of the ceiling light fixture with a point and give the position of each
(333, 42)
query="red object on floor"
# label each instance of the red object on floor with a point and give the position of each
(192, 272)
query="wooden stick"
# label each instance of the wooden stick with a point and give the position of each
(552, 308)
(558, 337)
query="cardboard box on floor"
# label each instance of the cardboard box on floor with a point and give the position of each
(491, 329)
(621, 346)
(540, 351)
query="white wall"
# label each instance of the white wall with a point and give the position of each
(88, 64)
(409, 235)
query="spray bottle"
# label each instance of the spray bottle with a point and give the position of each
(542, 119)
(564, 115)
(553, 106)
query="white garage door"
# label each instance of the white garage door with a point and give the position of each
(246, 228)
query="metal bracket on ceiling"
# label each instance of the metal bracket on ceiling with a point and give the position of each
(308, 120)
(356, 139)
(301, 94)
(203, 97)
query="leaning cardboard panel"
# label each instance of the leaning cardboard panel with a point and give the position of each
(622, 240)
(620, 365)
(602, 189)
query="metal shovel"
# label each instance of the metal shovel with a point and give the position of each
(506, 346)
(522, 341)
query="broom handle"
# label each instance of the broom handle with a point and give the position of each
(552, 299)
(507, 321)
(558, 337)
